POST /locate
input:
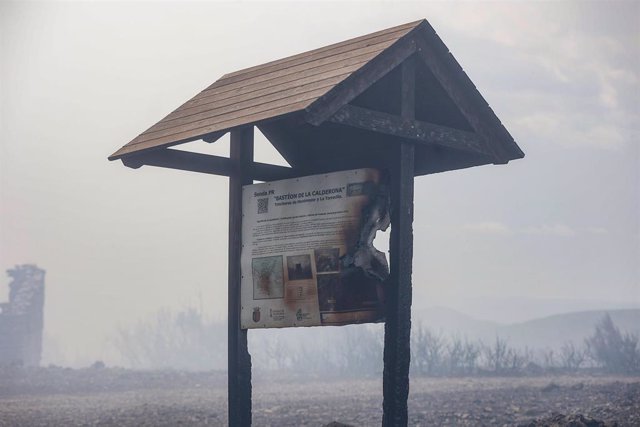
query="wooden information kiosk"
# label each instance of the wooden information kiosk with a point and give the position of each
(395, 100)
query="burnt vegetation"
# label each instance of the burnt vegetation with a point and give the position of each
(186, 340)
(612, 350)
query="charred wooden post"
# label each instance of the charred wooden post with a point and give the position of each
(239, 359)
(398, 293)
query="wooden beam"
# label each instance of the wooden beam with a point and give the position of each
(239, 359)
(397, 331)
(408, 89)
(421, 132)
(182, 160)
(359, 81)
(206, 163)
(461, 90)
(214, 136)
(276, 134)
(397, 328)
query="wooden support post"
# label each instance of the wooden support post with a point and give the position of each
(397, 328)
(239, 359)
(408, 89)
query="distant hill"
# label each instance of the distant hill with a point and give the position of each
(451, 322)
(552, 331)
(513, 309)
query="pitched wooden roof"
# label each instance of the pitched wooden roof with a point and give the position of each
(266, 91)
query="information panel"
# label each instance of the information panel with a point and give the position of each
(307, 250)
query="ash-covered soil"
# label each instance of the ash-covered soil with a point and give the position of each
(110, 397)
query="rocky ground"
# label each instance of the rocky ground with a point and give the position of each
(109, 397)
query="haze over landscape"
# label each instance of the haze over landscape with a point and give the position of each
(555, 232)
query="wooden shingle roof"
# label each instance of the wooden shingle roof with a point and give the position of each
(341, 106)
(266, 91)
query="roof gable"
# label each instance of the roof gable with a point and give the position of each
(266, 91)
(435, 59)
(327, 86)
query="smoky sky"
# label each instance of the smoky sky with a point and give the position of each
(79, 80)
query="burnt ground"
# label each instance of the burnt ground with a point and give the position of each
(109, 397)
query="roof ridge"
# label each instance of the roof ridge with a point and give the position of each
(398, 28)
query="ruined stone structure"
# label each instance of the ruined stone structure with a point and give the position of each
(21, 318)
